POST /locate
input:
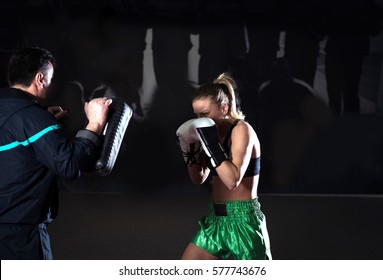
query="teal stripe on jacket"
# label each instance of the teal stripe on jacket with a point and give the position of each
(30, 139)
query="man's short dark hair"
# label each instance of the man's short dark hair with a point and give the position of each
(26, 63)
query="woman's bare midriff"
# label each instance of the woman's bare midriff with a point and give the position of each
(246, 190)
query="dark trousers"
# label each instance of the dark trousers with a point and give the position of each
(24, 242)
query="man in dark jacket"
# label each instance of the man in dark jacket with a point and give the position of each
(33, 152)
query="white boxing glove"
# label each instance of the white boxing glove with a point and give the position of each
(189, 142)
(208, 135)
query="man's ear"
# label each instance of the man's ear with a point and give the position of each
(39, 79)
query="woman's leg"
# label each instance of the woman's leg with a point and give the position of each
(193, 252)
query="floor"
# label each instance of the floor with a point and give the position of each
(107, 226)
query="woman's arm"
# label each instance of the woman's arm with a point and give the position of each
(242, 142)
(198, 171)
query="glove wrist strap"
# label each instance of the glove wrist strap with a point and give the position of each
(218, 154)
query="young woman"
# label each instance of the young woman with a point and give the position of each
(235, 225)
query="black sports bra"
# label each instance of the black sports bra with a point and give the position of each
(254, 164)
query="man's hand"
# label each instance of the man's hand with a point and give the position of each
(58, 112)
(96, 111)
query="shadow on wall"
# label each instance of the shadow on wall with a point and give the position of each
(345, 157)
(303, 148)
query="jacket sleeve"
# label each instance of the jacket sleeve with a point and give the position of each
(66, 158)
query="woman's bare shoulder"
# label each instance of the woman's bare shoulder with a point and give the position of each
(244, 127)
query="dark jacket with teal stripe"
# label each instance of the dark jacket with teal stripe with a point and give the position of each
(33, 152)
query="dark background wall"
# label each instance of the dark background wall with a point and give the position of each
(154, 53)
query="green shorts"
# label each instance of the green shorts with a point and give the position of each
(234, 228)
